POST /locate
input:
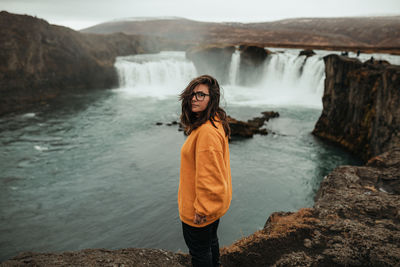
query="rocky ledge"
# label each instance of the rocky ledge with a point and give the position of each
(354, 222)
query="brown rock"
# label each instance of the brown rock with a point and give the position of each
(307, 53)
(349, 225)
(251, 127)
(361, 106)
(241, 128)
(252, 58)
(39, 61)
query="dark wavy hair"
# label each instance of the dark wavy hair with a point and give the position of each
(213, 112)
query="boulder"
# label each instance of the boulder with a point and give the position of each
(252, 126)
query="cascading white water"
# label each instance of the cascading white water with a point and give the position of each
(157, 75)
(234, 67)
(292, 79)
(287, 79)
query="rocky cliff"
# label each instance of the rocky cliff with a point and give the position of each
(355, 221)
(39, 61)
(361, 105)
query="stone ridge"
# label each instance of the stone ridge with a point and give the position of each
(364, 33)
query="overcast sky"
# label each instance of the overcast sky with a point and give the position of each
(79, 14)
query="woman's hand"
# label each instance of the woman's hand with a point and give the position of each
(199, 219)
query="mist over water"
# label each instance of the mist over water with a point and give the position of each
(158, 75)
(287, 79)
(94, 170)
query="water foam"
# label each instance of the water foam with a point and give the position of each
(287, 78)
(155, 75)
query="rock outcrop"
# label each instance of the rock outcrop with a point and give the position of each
(39, 61)
(216, 61)
(361, 106)
(252, 58)
(355, 221)
(307, 53)
(247, 129)
(240, 129)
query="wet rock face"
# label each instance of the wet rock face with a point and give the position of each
(216, 61)
(40, 61)
(307, 53)
(355, 222)
(213, 60)
(251, 61)
(361, 106)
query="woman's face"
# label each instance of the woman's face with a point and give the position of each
(200, 105)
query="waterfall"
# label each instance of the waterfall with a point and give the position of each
(234, 67)
(157, 75)
(286, 79)
(289, 78)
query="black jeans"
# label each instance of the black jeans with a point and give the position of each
(203, 244)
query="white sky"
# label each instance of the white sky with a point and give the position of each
(79, 14)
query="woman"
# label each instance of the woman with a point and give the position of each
(205, 187)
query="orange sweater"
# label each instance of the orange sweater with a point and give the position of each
(205, 185)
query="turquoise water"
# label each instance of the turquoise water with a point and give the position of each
(95, 171)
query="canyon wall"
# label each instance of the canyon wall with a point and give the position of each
(39, 61)
(361, 105)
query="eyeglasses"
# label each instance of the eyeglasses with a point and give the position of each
(199, 96)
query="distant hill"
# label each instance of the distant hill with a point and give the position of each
(382, 33)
